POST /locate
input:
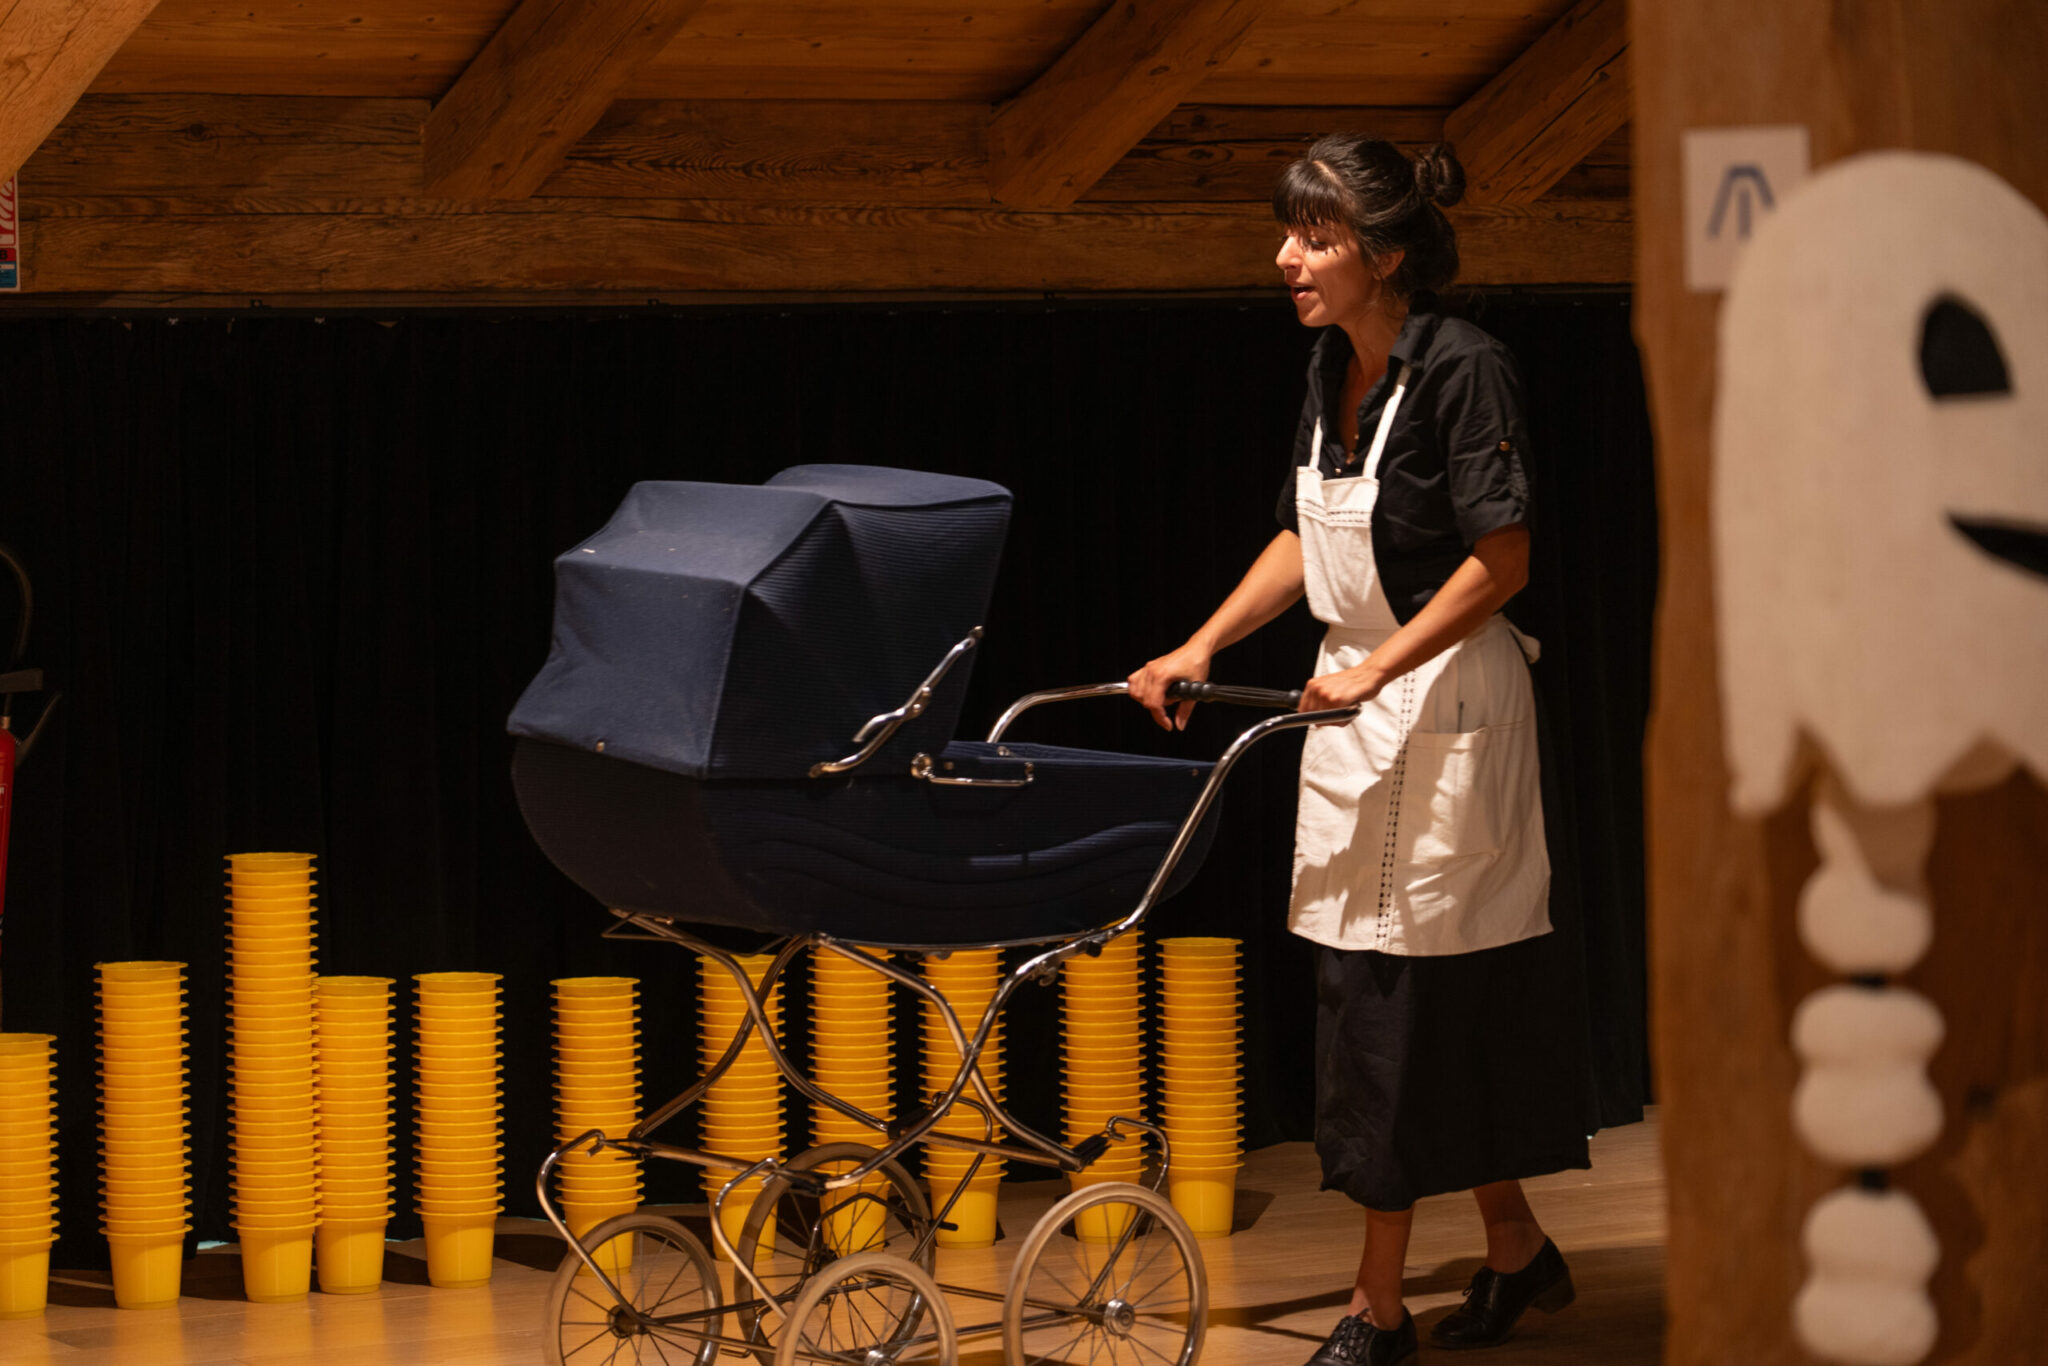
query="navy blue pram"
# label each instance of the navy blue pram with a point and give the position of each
(716, 644)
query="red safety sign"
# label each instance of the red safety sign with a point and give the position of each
(10, 237)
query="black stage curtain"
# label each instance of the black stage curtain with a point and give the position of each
(292, 574)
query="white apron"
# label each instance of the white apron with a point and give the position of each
(1420, 827)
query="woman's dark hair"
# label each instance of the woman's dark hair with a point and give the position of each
(1390, 202)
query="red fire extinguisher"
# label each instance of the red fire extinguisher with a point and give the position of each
(15, 681)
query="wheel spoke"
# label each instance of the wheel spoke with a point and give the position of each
(1138, 1268)
(1059, 1358)
(1135, 1341)
(578, 1348)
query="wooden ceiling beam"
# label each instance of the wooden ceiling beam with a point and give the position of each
(50, 51)
(1549, 109)
(541, 83)
(1051, 143)
(669, 248)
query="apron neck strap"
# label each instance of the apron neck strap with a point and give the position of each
(1379, 438)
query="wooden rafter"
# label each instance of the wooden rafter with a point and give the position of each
(50, 50)
(1126, 73)
(542, 82)
(673, 248)
(1544, 114)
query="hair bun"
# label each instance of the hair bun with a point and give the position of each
(1439, 177)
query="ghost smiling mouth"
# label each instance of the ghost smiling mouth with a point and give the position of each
(2020, 543)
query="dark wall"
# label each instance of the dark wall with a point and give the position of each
(292, 574)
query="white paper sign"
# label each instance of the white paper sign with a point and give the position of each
(1734, 179)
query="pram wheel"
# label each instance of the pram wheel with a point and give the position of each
(888, 1213)
(1110, 1273)
(870, 1308)
(664, 1273)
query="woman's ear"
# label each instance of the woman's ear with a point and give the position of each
(1385, 265)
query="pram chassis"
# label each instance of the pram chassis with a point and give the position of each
(897, 1137)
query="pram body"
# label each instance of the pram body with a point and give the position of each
(684, 757)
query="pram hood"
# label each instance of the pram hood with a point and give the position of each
(743, 631)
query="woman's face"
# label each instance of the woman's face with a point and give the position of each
(1330, 279)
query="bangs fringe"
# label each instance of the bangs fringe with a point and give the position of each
(1306, 197)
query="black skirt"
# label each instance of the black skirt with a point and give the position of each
(1438, 1074)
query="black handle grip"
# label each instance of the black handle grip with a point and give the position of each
(1187, 690)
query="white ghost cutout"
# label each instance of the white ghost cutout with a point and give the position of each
(1876, 544)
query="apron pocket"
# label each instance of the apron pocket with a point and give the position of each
(1461, 791)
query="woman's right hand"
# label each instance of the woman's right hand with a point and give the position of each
(1148, 685)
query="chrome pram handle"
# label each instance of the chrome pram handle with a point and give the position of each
(885, 724)
(1182, 690)
(925, 769)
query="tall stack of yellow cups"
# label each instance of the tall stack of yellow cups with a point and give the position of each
(743, 1110)
(457, 1113)
(1201, 1078)
(270, 973)
(28, 1174)
(851, 1058)
(352, 1047)
(1105, 1076)
(597, 1086)
(144, 1196)
(967, 979)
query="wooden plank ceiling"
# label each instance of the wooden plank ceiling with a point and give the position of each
(562, 150)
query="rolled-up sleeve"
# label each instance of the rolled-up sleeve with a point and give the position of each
(1479, 414)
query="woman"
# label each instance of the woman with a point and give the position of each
(1444, 1059)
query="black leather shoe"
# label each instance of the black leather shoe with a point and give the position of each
(1357, 1342)
(1495, 1301)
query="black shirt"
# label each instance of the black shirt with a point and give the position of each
(1454, 466)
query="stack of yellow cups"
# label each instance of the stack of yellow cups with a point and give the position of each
(597, 1086)
(743, 1111)
(1105, 1075)
(352, 1043)
(1202, 1076)
(270, 964)
(457, 1113)
(967, 979)
(851, 1058)
(145, 1199)
(28, 1176)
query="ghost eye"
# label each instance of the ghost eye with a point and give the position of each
(1958, 353)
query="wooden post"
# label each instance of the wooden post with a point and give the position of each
(1956, 76)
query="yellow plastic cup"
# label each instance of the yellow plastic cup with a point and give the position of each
(1205, 1200)
(16, 1046)
(376, 989)
(604, 988)
(1103, 1223)
(615, 1256)
(148, 1268)
(350, 1255)
(456, 983)
(138, 970)
(24, 1282)
(277, 1263)
(974, 1214)
(459, 1249)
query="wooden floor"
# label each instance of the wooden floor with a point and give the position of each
(1276, 1285)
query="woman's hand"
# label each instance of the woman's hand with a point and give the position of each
(1148, 685)
(1345, 688)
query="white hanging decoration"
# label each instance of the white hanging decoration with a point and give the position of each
(1871, 1253)
(1864, 1099)
(1880, 505)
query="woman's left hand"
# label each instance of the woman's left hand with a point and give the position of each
(1346, 688)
